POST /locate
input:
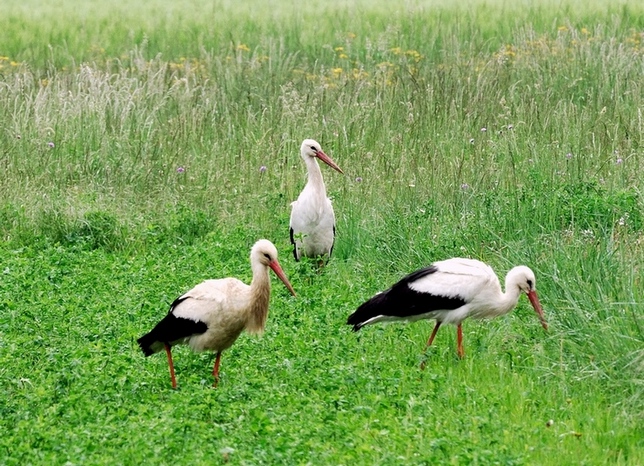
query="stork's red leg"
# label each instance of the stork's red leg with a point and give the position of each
(430, 341)
(215, 370)
(459, 341)
(168, 352)
(431, 337)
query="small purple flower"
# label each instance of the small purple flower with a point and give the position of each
(569, 155)
(619, 161)
(180, 169)
(51, 145)
(465, 186)
(263, 169)
(359, 179)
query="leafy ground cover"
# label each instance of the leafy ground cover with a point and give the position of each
(146, 148)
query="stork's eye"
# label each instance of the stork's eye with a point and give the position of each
(314, 149)
(530, 284)
(267, 256)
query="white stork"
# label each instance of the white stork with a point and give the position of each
(450, 291)
(312, 225)
(214, 313)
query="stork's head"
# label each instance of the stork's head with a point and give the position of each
(523, 278)
(265, 253)
(311, 149)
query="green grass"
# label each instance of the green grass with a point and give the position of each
(507, 132)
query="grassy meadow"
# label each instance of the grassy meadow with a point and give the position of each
(131, 141)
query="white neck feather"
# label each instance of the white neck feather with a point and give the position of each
(260, 292)
(315, 175)
(510, 298)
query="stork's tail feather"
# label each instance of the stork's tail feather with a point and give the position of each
(366, 312)
(354, 319)
(356, 327)
(147, 344)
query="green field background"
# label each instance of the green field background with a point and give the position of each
(145, 146)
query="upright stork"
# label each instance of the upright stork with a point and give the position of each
(312, 219)
(214, 313)
(450, 291)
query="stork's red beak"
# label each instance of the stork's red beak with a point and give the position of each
(326, 159)
(280, 273)
(534, 300)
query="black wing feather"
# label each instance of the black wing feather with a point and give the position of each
(401, 301)
(294, 246)
(169, 330)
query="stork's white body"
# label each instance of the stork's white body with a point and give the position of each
(472, 281)
(212, 315)
(449, 291)
(312, 222)
(227, 307)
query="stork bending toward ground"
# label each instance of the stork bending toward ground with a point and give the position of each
(312, 219)
(214, 313)
(450, 291)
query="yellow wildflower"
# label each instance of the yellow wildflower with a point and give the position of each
(359, 74)
(414, 54)
(339, 49)
(243, 48)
